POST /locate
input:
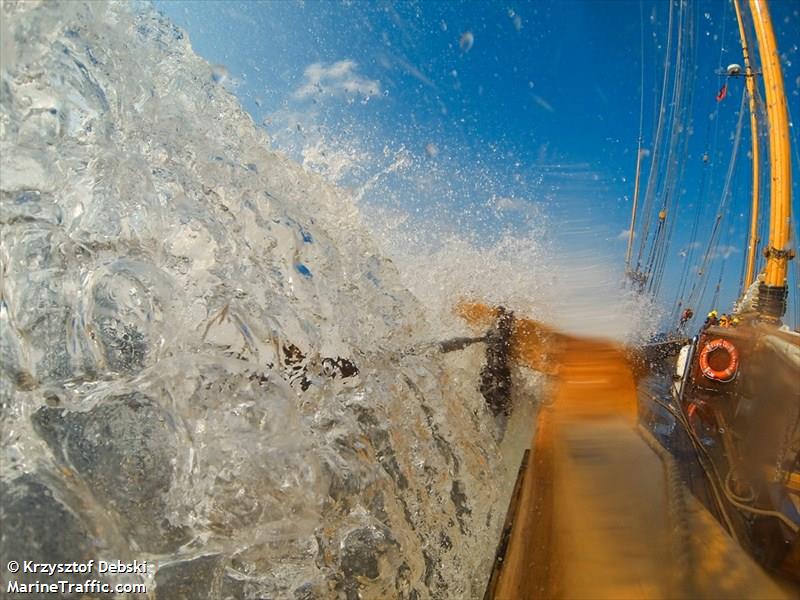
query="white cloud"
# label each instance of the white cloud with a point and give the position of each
(624, 235)
(336, 79)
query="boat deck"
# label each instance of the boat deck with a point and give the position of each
(600, 511)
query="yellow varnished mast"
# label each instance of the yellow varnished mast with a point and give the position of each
(772, 292)
(752, 245)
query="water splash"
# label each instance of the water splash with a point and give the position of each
(171, 292)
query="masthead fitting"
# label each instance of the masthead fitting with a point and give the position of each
(733, 70)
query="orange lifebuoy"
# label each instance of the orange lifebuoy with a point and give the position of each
(722, 375)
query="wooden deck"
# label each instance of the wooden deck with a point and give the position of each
(599, 511)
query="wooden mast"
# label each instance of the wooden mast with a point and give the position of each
(772, 292)
(752, 245)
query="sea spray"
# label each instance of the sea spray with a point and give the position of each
(170, 291)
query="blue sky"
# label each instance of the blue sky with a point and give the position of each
(443, 106)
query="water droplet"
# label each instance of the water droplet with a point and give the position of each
(466, 42)
(218, 73)
(303, 270)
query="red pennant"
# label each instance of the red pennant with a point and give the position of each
(723, 91)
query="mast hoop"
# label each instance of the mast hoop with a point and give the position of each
(779, 253)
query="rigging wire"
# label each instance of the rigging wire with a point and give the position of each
(697, 293)
(673, 195)
(677, 107)
(746, 219)
(652, 175)
(692, 244)
(667, 169)
(707, 180)
(662, 195)
(743, 269)
(670, 160)
(724, 254)
(639, 146)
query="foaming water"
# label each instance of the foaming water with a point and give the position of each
(204, 346)
(534, 254)
(201, 343)
(592, 299)
(565, 283)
